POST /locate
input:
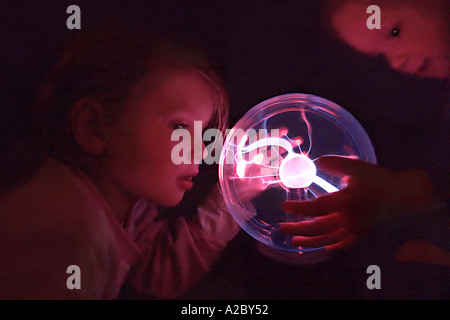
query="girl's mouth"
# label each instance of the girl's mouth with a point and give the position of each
(423, 67)
(185, 182)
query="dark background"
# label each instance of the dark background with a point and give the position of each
(262, 49)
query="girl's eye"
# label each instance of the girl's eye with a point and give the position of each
(179, 126)
(395, 32)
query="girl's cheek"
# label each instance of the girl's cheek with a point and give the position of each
(156, 147)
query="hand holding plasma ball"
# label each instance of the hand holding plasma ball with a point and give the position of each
(342, 216)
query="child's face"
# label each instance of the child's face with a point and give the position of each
(413, 36)
(140, 146)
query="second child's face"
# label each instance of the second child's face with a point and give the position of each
(140, 146)
(413, 35)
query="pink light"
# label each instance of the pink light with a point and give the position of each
(283, 131)
(258, 159)
(243, 141)
(240, 169)
(297, 141)
(297, 171)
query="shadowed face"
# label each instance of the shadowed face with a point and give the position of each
(140, 145)
(413, 36)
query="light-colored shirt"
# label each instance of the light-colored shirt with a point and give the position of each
(59, 219)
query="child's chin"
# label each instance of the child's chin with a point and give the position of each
(171, 201)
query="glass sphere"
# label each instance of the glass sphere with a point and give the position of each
(268, 158)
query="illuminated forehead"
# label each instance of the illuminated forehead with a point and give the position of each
(183, 93)
(349, 22)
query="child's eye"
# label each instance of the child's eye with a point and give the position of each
(176, 126)
(395, 32)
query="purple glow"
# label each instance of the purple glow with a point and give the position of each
(295, 170)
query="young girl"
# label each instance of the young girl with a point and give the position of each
(107, 114)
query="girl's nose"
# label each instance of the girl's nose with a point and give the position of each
(199, 153)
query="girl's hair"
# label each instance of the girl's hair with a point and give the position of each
(106, 64)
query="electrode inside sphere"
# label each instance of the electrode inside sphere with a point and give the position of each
(297, 171)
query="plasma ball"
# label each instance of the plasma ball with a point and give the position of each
(297, 171)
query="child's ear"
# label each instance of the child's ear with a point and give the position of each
(88, 122)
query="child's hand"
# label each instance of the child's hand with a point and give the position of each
(251, 185)
(344, 215)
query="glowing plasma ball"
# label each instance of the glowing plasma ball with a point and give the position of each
(269, 155)
(297, 171)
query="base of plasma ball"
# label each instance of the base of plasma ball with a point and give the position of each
(293, 258)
